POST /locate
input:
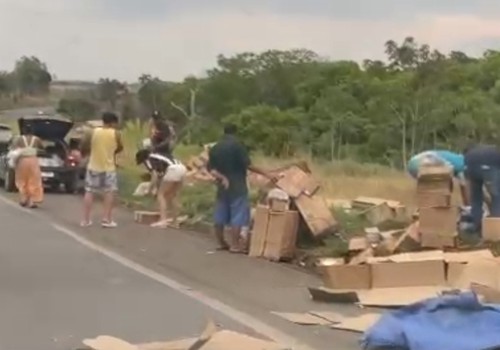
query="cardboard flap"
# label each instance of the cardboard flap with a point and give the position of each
(304, 319)
(358, 324)
(397, 297)
(357, 244)
(316, 214)
(418, 256)
(365, 202)
(489, 295)
(332, 317)
(465, 257)
(326, 295)
(228, 340)
(106, 342)
(295, 181)
(481, 271)
(182, 344)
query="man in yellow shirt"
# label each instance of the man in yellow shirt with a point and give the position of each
(101, 144)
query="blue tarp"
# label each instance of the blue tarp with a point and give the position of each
(448, 322)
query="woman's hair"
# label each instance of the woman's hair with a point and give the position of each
(141, 156)
(27, 128)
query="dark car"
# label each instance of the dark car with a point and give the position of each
(57, 165)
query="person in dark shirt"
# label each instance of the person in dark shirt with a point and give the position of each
(228, 162)
(160, 135)
(482, 168)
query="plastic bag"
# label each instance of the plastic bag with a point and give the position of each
(13, 156)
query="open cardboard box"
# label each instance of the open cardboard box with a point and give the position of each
(210, 339)
(401, 279)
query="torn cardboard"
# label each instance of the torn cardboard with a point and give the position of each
(491, 229)
(409, 240)
(358, 323)
(316, 214)
(408, 274)
(358, 244)
(398, 297)
(363, 203)
(304, 319)
(380, 297)
(295, 181)
(220, 340)
(481, 271)
(331, 317)
(346, 276)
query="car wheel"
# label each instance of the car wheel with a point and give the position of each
(10, 181)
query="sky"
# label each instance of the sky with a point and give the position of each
(123, 39)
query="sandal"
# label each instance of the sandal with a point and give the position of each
(160, 224)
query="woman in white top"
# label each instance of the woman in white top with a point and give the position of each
(170, 173)
(28, 177)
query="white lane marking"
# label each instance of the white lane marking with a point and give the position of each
(240, 317)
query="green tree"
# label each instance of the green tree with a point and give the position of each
(32, 76)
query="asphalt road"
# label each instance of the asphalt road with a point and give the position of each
(55, 292)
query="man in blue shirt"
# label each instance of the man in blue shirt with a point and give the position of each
(442, 157)
(482, 168)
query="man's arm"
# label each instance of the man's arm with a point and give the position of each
(119, 142)
(251, 167)
(464, 189)
(85, 143)
(212, 169)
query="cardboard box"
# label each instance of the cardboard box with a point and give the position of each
(146, 217)
(431, 240)
(281, 237)
(408, 274)
(279, 205)
(482, 271)
(317, 215)
(358, 244)
(491, 229)
(346, 276)
(259, 231)
(440, 221)
(433, 200)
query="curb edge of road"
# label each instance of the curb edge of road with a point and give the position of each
(227, 310)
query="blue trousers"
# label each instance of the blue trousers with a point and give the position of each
(234, 212)
(488, 177)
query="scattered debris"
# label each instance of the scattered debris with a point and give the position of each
(357, 324)
(305, 319)
(210, 339)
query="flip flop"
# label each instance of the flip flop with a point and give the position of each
(160, 224)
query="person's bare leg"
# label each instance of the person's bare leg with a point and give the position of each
(234, 236)
(162, 201)
(88, 199)
(107, 204)
(219, 236)
(172, 204)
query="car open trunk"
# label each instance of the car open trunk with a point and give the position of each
(47, 128)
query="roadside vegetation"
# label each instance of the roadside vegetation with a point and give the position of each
(356, 124)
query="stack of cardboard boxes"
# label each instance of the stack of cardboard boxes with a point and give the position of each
(274, 233)
(438, 217)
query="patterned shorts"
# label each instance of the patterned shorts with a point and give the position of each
(101, 181)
